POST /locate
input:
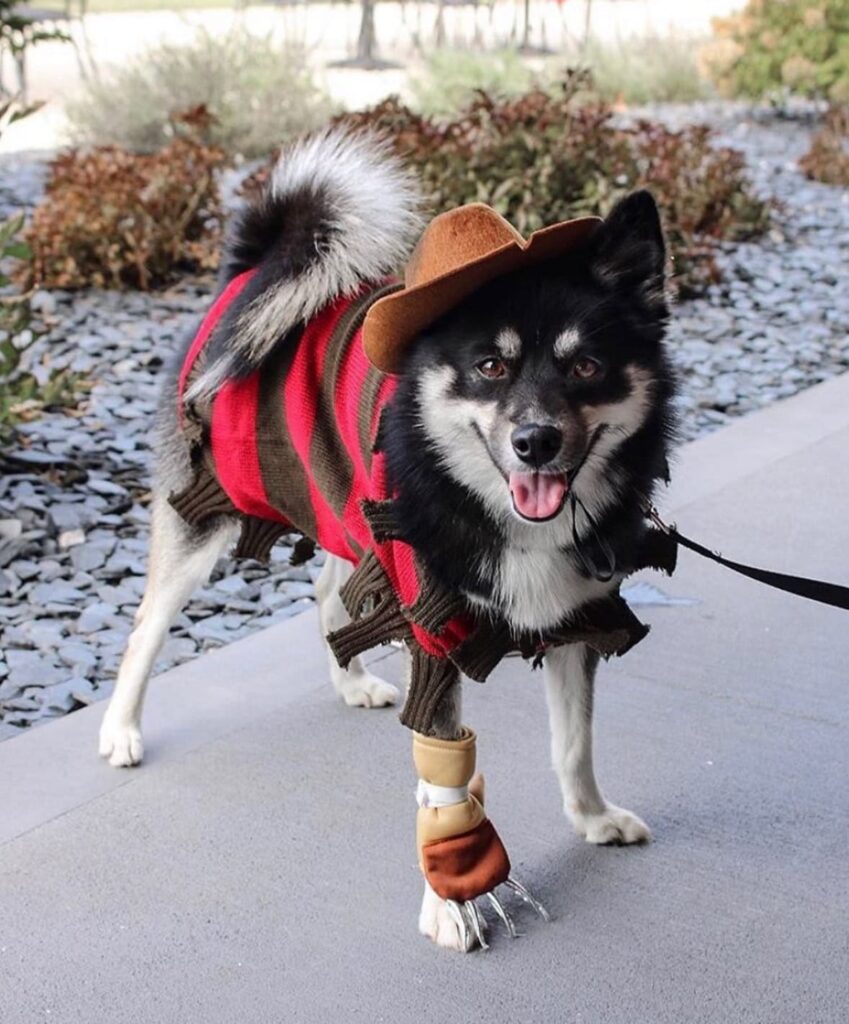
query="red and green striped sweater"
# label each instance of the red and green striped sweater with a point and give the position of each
(291, 448)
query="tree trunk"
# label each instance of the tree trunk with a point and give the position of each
(526, 31)
(439, 27)
(588, 13)
(365, 43)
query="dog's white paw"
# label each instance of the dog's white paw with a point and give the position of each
(437, 923)
(122, 744)
(613, 825)
(367, 691)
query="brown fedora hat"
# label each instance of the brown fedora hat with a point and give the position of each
(458, 252)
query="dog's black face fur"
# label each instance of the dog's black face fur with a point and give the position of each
(548, 382)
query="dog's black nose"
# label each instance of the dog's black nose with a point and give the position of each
(536, 443)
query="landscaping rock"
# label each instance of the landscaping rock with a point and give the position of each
(31, 668)
(71, 538)
(97, 616)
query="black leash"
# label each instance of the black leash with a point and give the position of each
(815, 590)
(602, 573)
(606, 572)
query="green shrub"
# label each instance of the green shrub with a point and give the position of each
(801, 46)
(259, 93)
(22, 394)
(621, 72)
(827, 158)
(114, 219)
(544, 157)
(450, 78)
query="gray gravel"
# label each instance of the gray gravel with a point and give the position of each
(779, 320)
(74, 492)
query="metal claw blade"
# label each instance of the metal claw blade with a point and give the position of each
(478, 922)
(504, 917)
(520, 890)
(456, 912)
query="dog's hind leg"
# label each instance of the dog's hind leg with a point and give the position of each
(355, 684)
(569, 680)
(180, 560)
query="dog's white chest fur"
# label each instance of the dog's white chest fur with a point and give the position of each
(537, 588)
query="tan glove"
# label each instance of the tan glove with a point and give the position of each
(460, 852)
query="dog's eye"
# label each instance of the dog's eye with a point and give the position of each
(586, 368)
(492, 368)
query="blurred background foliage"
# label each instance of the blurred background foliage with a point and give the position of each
(258, 91)
(24, 392)
(539, 136)
(828, 158)
(783, 46)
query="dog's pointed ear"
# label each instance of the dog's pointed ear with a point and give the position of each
(628, 251)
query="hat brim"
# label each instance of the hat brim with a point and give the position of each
(393, 321)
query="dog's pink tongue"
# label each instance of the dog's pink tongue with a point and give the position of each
(537, 495)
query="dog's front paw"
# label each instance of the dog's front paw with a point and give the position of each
(122, 744)
(613, 825)
(438, 923)
(368, 691)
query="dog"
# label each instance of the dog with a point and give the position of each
(525, 429)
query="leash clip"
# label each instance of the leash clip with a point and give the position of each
(652, 513)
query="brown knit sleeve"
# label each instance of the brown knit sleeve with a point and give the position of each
(376, 616)
(430, 679)
(205, 499)
(202, 499)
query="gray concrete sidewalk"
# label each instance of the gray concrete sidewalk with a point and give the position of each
(260, 865)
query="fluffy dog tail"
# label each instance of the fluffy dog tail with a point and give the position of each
(338, 211)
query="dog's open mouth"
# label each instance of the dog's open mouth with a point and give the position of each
(538, 496)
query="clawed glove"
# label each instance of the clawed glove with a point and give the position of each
(460, 853)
